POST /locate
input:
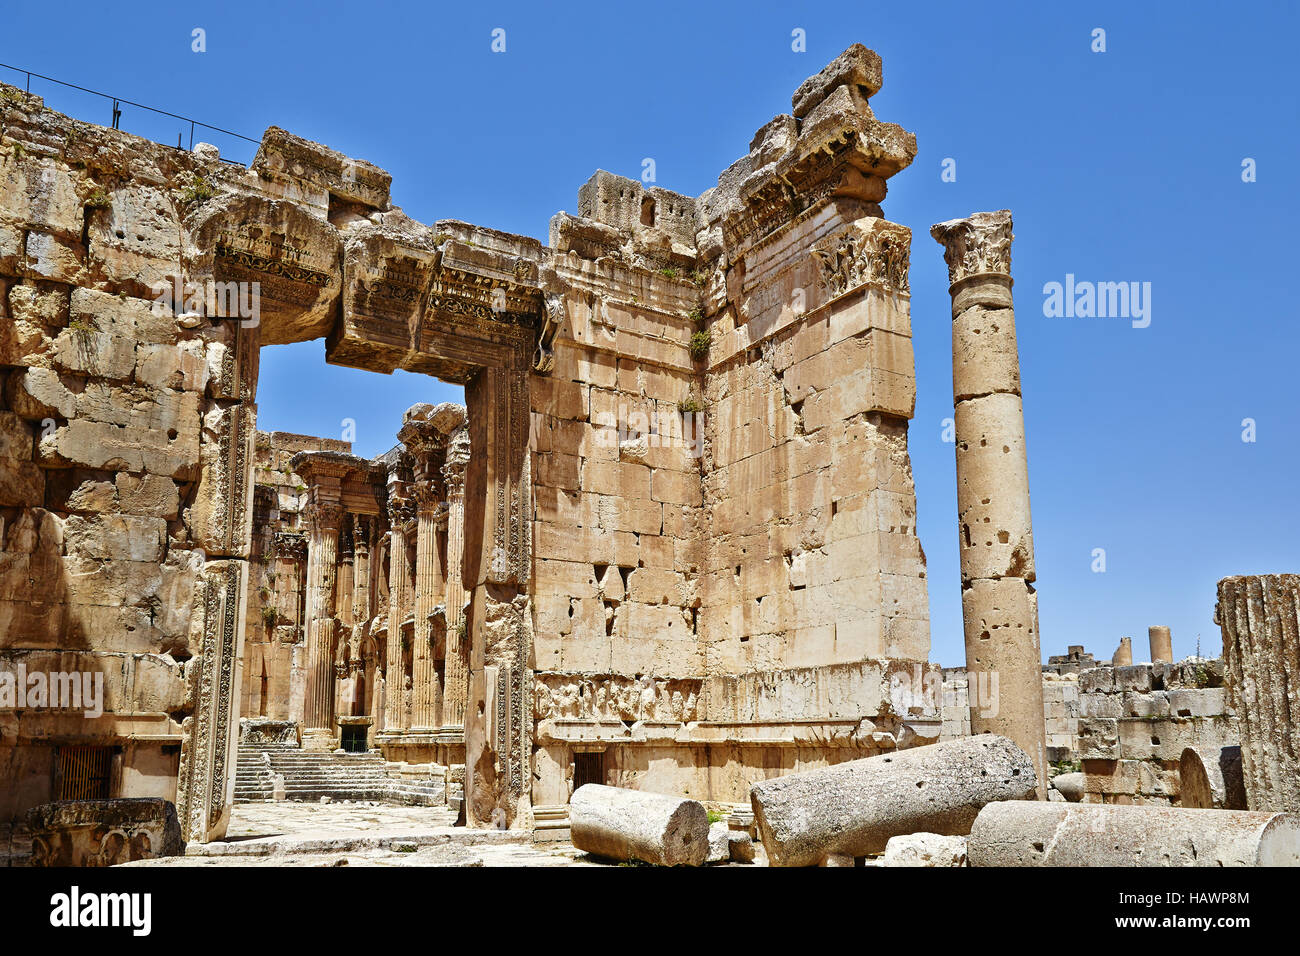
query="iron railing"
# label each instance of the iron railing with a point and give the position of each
(117, 103)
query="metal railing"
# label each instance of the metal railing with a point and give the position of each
(117, 103)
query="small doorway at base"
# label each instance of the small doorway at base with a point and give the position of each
(352, 738)
(588, 767)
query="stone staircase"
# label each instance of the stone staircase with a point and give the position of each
(310, 775)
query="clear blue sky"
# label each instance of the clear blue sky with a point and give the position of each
(1118, 166)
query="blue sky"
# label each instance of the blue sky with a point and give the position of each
(1119, 166)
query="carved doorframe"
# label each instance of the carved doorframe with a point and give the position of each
(465, 305)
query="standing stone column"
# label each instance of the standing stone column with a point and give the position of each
(456, 692)
(343, 586)
(399, 600)
(322, 554)
(360, 569)
(999, 605)
(428, 587)
(1162, 644)
(1123, 656)
(1259, 616)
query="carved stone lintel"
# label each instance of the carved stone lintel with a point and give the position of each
(868, 251)
(977, 245)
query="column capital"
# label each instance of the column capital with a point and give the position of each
(428, 497)
(453, 472)
(361, 533)
(400, 507)
(323, 515)
(977, 245)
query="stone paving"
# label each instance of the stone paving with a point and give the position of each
(367, 834)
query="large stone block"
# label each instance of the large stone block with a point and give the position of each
(1062, 834)
(854, 808)
(1210, 778)
(103, 832)
(632, 825)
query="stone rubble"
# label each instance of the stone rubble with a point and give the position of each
(925, 850)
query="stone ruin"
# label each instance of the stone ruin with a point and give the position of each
(669, 543)
(689, 538)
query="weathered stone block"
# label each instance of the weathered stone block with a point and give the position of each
(854, 808)
(1055, 834)
(925, 849)
(631, 825)
(103, 832)
(1210, 778)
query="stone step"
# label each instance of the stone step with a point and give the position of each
(310, 775)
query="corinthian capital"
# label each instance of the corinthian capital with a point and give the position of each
(323, 516)
(400, 509)
(453, 472)
(977, 245)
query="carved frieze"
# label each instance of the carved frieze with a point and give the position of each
(290, 545)
(288, 256)
(867, 252)
(615, 697)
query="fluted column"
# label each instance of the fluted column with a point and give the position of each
(1259, 616)
(428, 585)
(360, 569)
(456, 691)
(996, 543)
(399, 600)
(322, 555)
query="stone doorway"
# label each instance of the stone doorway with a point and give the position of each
(588, 767)
(454, 301)
(352, 738)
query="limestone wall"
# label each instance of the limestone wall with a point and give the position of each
(1125, 727)
(104, 409)
(1061, 710)
(689, 423)
(1136, 720)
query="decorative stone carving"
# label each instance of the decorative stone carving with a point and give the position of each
(205, 789)
(870, 251)
(615, 697)
(290, 545)
(103, 832)
(552, 318)
(978, 245)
